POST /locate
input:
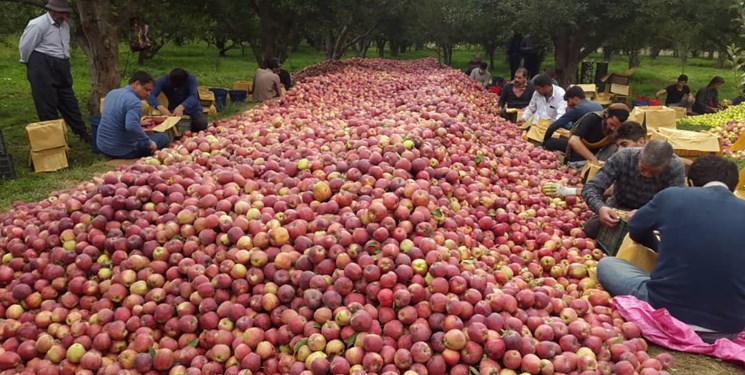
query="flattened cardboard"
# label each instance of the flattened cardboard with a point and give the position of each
(536, 132)
(739, 143)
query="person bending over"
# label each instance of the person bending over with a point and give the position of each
(698, 277)
(180, 88)
(120, 134)
(579, 106)
(707, 99)
(637, 174)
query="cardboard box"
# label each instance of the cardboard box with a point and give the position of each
(591, 90)
(739, 143)
(590, 170)
(639, 255)
(48, 141)
(689, 143)
(537, 131)
(680, 112)
(621, 90)
(654, 117)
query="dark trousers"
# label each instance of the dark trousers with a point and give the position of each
(198, 121)
(143, 150)
(514, 65)
(532, 64)
(51, 88)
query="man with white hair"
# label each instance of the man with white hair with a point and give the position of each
(637, 174)
(45, 50)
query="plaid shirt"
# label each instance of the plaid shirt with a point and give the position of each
(631, 190)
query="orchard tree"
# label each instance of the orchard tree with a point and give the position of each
(442, 22)
(576, 28)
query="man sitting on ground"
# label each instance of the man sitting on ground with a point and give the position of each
(678, 95)
(267, 84)
(698, 277)
(637, 174)
(579, 106)
(180, 88)
(592, 136)
(547, 101)
(707, 98)
(481, 75)
(629, 134)
(516, 94)
(120, 134)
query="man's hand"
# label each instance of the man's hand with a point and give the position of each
(153, 147)
(163, 111)
(608, 217)
(178, 111)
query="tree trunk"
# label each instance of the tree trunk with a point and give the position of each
(394, 47)
(721, 58)
(364, 46)
(567, 56)
(634, 59)
(380, 44)
(710, 54)
(654, 53)
(607, 53)
(268, 35)
(99, 39)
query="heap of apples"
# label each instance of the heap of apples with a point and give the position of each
(728, 134)
(380, 218)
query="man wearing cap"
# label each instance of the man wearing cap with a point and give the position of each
(578, 107)
(679, 94)
(592, 136)
(637, 174)
(45, 50)
(266, 82)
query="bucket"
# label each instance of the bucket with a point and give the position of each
(95, 121)
(639, 102)
(221, 97)
(238, 96)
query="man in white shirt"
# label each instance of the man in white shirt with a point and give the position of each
(547, 101)
(481, 75)
(45, 50)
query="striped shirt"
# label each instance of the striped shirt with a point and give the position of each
(631, 190)
(43, 35)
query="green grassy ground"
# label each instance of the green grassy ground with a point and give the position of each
(17, 110)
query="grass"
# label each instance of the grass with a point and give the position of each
(17, 110)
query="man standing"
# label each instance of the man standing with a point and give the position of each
(579, 106)
(180, 88)
(266, 82)
(698, 277)
(637, 174)
(45, 49)
(547, 101)
(513, 52)
(120, 134)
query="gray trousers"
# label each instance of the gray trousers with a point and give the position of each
(51, 88)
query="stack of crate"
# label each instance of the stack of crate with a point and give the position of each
(7, 169)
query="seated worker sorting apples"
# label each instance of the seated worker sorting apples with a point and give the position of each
(637, 174)
(628, 134)
(698, 276)
(592, 136)
(120, 134)
(547, 101)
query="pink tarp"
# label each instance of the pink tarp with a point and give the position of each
(661, 328)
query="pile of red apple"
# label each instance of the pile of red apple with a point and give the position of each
(380, 218)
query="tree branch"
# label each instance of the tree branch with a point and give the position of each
(130, 11)
(365, 35)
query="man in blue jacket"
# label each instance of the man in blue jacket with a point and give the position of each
(180, 88)
(698, 277)
(120, 134)
(579, 106)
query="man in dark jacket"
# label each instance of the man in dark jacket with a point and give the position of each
(698, 277)
(516, 94)
(513, 52)
(579, 106)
